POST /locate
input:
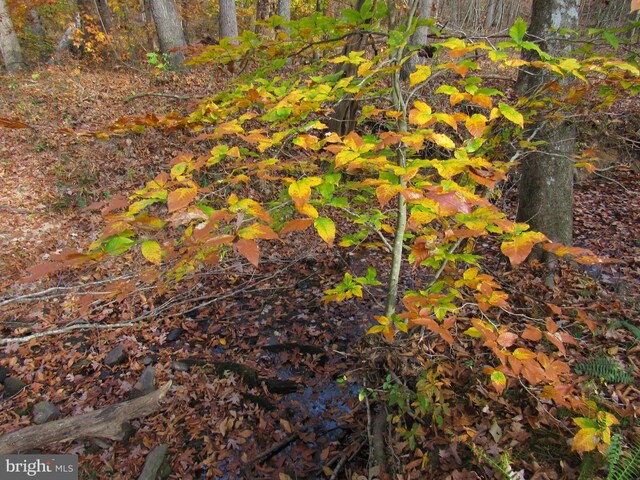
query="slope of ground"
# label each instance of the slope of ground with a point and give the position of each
(254, 355)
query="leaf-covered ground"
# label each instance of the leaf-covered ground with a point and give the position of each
(254, 355)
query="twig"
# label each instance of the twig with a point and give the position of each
(339, 466)
(55, 331)
(246, 468)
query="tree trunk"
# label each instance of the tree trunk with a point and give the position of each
(265, 9)
(39, 35)
(169, 28)
(228, 22)
(343, 120)
(65, 41)
(106, 17)
(546, 186)
(9, 45)
(420, 37)
(284, 10)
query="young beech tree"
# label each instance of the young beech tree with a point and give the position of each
(546, 185)
(9, 45)
(169, 28)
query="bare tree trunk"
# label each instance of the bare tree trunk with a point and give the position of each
(9, 45)
(39, 35)
(546, 186)
(106, 17)
(265, 9)
(228, 21)
(343, 120)
(169, 28)
(65, 41)
(420, 37)
(284, 9)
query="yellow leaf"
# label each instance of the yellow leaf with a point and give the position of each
(299, 193)
(442, 140)
(420, 75)
(523, 354)
(152, 251)
(585, 440)
(309, 210)
(258, 230)
(473, 332)
(326, 229)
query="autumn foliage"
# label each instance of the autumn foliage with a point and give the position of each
(430, 150)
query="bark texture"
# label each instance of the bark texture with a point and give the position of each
(9, 45)
(546, 186)
(420, 37)
(109, 422)
(343, 120)
(169, 28)
(227, 20)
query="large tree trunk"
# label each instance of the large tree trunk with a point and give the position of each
(546, 186)
(228, 22)
(9, 45)
(169, 28)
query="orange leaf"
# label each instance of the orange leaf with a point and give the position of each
(507, 339)
(5, 122)
(180, 198)
(552, 327)
(296, 225)
(249, 249)
(520, 247)
(476, 124)
(532, 333)
(41, 270)
(300, 193)
(386, 193)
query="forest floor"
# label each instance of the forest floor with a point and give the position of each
(255, 356)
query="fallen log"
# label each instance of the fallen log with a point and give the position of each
(109, 422)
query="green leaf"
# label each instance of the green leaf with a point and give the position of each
(326, 229)
(518, 30)
(511, 114)
(118, 245)
(612, 39)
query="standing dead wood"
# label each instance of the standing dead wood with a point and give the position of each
(108, 422)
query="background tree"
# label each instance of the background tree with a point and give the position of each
(169, 28)
(284, 9)
(9, 45)
(228, 21)
(546, 186)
